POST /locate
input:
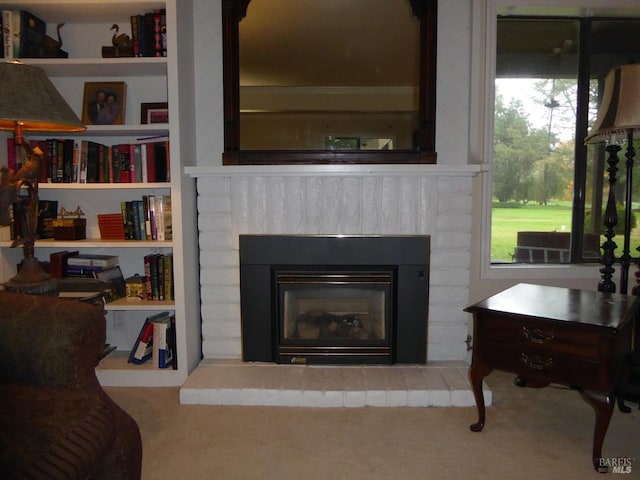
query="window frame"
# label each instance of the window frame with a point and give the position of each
(485, 77)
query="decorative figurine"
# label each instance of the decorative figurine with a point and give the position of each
(121, 44)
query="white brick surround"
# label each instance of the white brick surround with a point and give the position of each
(356, 200)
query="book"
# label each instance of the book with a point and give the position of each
(113, 276)
(162, 348)
(142, 228)
(81, 271)
(16, 24)
(108, 348)
(160, 267)
(96, 260)
(162, 217)
(47, 212)
(32, 34)
(67, 160)
(163, 30)
(143, 347)
(166, 212)
(148, 259)
(58, 262)
(134, 35)
(122, 158)
(7, 31)
(154, 276)
(157, 36)
(148, 34)
(127, 220)
(168, 277)
(60, 161)
(52, 161)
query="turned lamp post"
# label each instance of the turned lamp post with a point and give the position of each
(617, 122)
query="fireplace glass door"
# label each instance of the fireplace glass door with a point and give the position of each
(334, 316)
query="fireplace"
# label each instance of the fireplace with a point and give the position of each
(334, 299)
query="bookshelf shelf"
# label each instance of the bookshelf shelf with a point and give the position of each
(104, 186)
(130, 130)
(101, 67)
(148, 80)
(114, 369)
(143, 305)
(97, 243)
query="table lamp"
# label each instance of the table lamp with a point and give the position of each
(617, 122)
(28, 103)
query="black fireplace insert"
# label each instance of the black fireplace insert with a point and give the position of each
(334, 299)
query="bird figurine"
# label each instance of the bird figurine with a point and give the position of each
(121, 40)
(53, 48)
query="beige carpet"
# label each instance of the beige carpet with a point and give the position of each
(529, 434)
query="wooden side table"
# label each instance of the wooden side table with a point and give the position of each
(549, 335)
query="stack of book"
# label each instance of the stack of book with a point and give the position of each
(86, 161)
(23, 34)
(149, 34)
(148, 218)
(156, 342)
(158, 275)
(104, 268)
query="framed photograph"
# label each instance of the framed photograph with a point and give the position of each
(157, 112)
(104, 103)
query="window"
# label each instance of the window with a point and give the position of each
(549, 190)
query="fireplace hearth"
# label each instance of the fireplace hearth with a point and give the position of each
(334, 299)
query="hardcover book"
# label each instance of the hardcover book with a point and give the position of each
(143, 347)
(94, 260)
(162, 349)
(113, 276)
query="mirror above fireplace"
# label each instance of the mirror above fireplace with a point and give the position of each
(328, 81)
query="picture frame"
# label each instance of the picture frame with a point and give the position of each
(104, 103)
(154, 112)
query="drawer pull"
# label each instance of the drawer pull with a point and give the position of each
(536, 362)
(535, 335)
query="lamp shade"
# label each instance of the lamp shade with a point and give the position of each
(28, 98)
(619, 111)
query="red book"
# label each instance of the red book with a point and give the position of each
(143, 347)
(124, 162)
(58, 262)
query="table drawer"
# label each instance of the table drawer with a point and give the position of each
(556, 367)
(550, 336)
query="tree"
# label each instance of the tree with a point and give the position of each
(559, 96)
(553, 175)
(517, 148)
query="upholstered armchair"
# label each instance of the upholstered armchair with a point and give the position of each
(56, 421)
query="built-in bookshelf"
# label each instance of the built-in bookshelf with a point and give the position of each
(148, 80)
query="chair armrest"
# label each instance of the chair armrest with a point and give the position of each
(50, 341)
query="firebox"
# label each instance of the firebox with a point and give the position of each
(334, 316)
(334, 299)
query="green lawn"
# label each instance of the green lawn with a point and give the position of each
(507, 222)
